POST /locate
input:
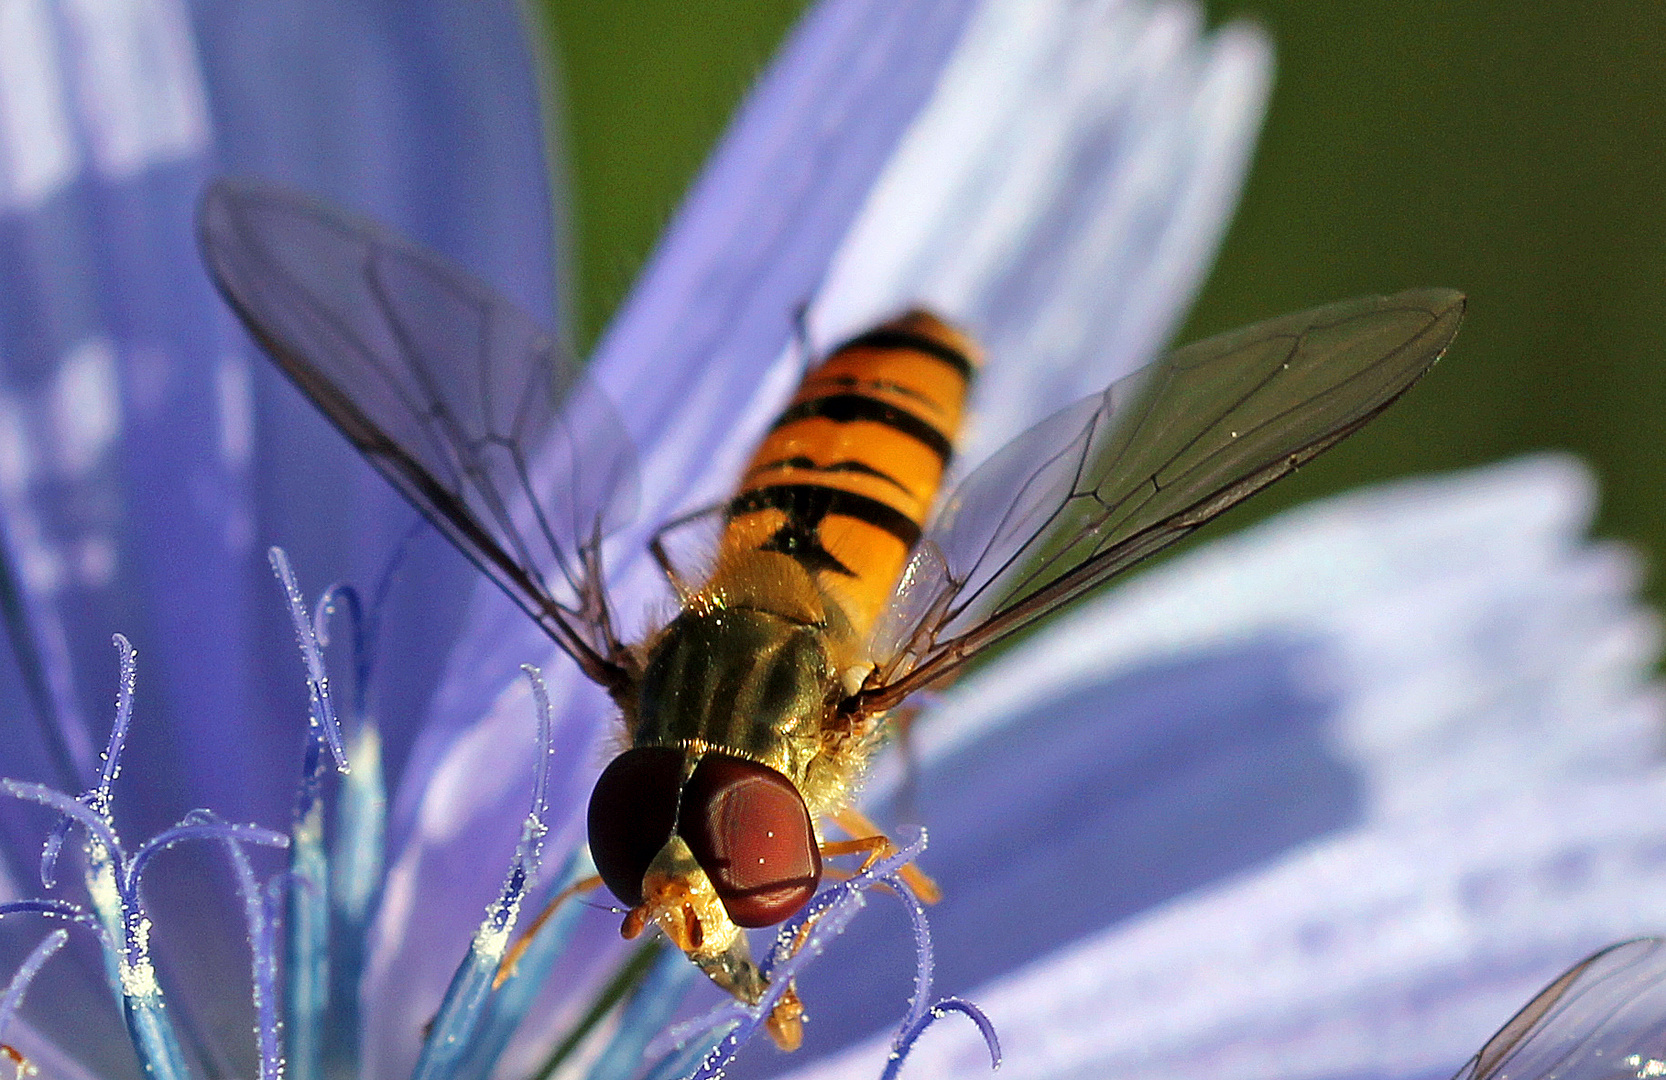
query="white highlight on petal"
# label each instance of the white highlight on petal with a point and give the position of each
(240, 530)
(41, 567)
(1388, 952)
(8, 887)
(150, 372)
(398, 907)
(1494, 684)
(126, 69)
(39, 563)
(95, 561)
(929, 199)
(234, 397)
(38, 153)
(17, 462)
(137, 82)
(85, 405)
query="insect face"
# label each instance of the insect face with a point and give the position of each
(744, 824)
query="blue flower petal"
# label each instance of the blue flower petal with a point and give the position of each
(1091, 804)
(150, 455)
(1060, 195)
(1484, 695)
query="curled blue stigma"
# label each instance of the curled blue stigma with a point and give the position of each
(115, 911)
(725, 1029)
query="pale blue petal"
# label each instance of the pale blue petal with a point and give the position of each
(1061, 195)
(1478, 777)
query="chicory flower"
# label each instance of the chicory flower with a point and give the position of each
(1382, 766)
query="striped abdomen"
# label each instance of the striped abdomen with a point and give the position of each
(845, 478)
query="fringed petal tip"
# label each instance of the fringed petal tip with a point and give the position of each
(291, 909)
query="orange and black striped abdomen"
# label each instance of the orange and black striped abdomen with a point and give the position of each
(845, 478)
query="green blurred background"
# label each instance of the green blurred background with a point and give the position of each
(1513, 150)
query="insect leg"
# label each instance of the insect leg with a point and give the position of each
(657, 550)
(662, 555)
(506, 967)
(593, 604)
(807, 357)
(786, 1021)
(867, 838)
(902, 725)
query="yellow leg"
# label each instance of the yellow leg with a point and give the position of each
(786, 1021)
(866, 837)
(506, 967)
(24, 1068)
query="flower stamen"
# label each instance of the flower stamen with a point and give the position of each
(113, 878)
(468, 1016)
(719, 1035)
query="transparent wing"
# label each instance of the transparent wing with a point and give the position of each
(472, 411)
(1604, 1019)
(1106, 482)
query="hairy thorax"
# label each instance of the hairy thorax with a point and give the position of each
(755, 665)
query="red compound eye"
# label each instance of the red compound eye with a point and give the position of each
(632, 811)
(748, 827)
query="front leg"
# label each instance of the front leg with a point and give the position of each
(681, 581)
(866, 838)
(506, 967)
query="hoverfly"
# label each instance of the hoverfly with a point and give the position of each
(843, 580)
